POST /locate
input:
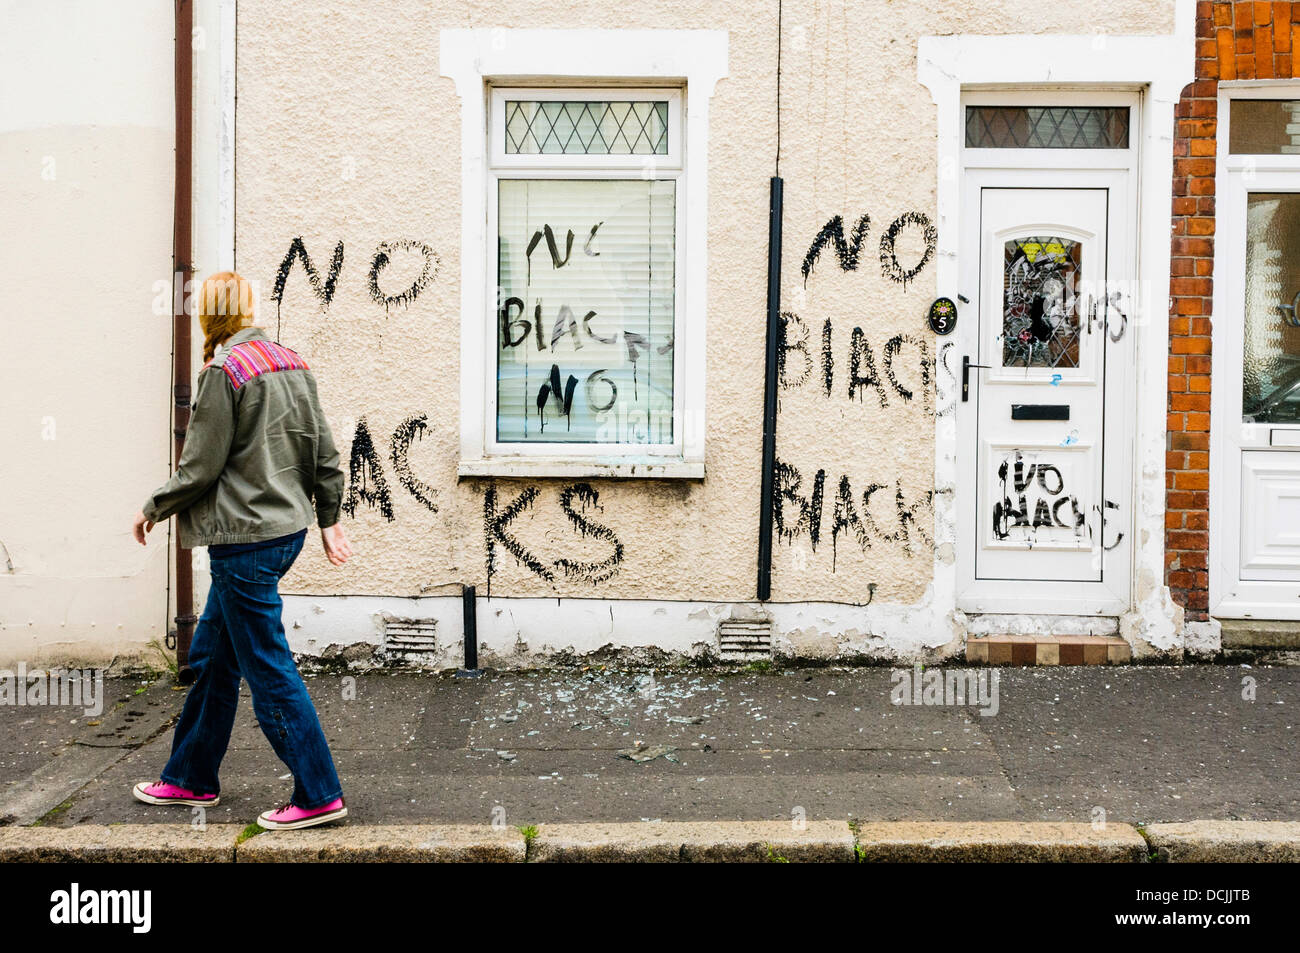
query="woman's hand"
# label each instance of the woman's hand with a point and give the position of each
(140, 526)
(335, 541)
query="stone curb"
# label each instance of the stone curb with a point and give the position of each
(694, 842)
(1200, 842)
(391, 844)
(119, 844)
(999, 842)
(691, 842)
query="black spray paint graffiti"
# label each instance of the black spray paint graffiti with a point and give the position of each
(828, 359)
(848, 251)
(809, 518)
(496, 532)
(796, 342)
(564, 395)
(323, 290)
(945, 382)
(1036, 499)
(865, 530)
(862, 369)
(411, 428)
(383, 256)
(384, 252)
(556, 260)
(566, 323)
(795, 513)
(366, 481)
(594, 572)
(864, 373)
(889, 265)
(495, 523)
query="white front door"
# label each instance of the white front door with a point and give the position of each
(1043, 420)
(1255, 499)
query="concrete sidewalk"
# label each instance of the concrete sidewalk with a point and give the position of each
(1123, 745)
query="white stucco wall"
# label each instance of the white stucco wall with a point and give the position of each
(85, 187)
(332, 159)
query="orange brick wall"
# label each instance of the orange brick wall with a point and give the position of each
(1236, 40)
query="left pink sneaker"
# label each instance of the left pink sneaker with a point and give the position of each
(289, 817)
(160, 792)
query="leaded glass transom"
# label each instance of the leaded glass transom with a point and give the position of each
(1040, 317)
(1047, 127)
(602, 127)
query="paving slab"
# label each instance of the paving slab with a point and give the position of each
(63, 748)
(1150, 744)
(1116, 744)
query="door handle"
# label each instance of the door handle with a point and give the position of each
(966, 365)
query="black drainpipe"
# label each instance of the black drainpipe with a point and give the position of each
(469, 616)
(770, 386)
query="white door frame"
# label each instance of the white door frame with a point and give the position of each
(1235, 176)
(1159, 66)
(1116, 171)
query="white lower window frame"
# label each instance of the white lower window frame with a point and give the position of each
(475, 58)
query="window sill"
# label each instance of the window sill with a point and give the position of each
(639, 468)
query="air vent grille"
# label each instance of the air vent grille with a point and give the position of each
(413, 639)
(744, 640)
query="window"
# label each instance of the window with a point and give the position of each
(1265, 127)
(584, 252)
(1040, 314)
(584, 196)
(1047, 127)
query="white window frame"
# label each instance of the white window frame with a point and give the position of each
(1237, 174)
(603, 168)
(480, 60)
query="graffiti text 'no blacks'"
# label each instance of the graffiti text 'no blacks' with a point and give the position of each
(848, 250)
(394, 253)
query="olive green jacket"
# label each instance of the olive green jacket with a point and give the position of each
(257, 453)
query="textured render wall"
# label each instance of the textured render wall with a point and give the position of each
(346, 133)
(1234, 41)
(85, 192)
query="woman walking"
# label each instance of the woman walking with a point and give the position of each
(257, 454)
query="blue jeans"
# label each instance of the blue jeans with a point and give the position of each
(241, 632)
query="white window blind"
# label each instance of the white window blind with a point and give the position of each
(585, 310)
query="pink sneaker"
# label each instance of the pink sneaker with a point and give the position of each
(160, 792)
(290, 818)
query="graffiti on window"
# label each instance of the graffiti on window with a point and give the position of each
(1040, 317)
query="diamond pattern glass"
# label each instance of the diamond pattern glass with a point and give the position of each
(571, 127)
(1047, 127)
(1040, 316)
